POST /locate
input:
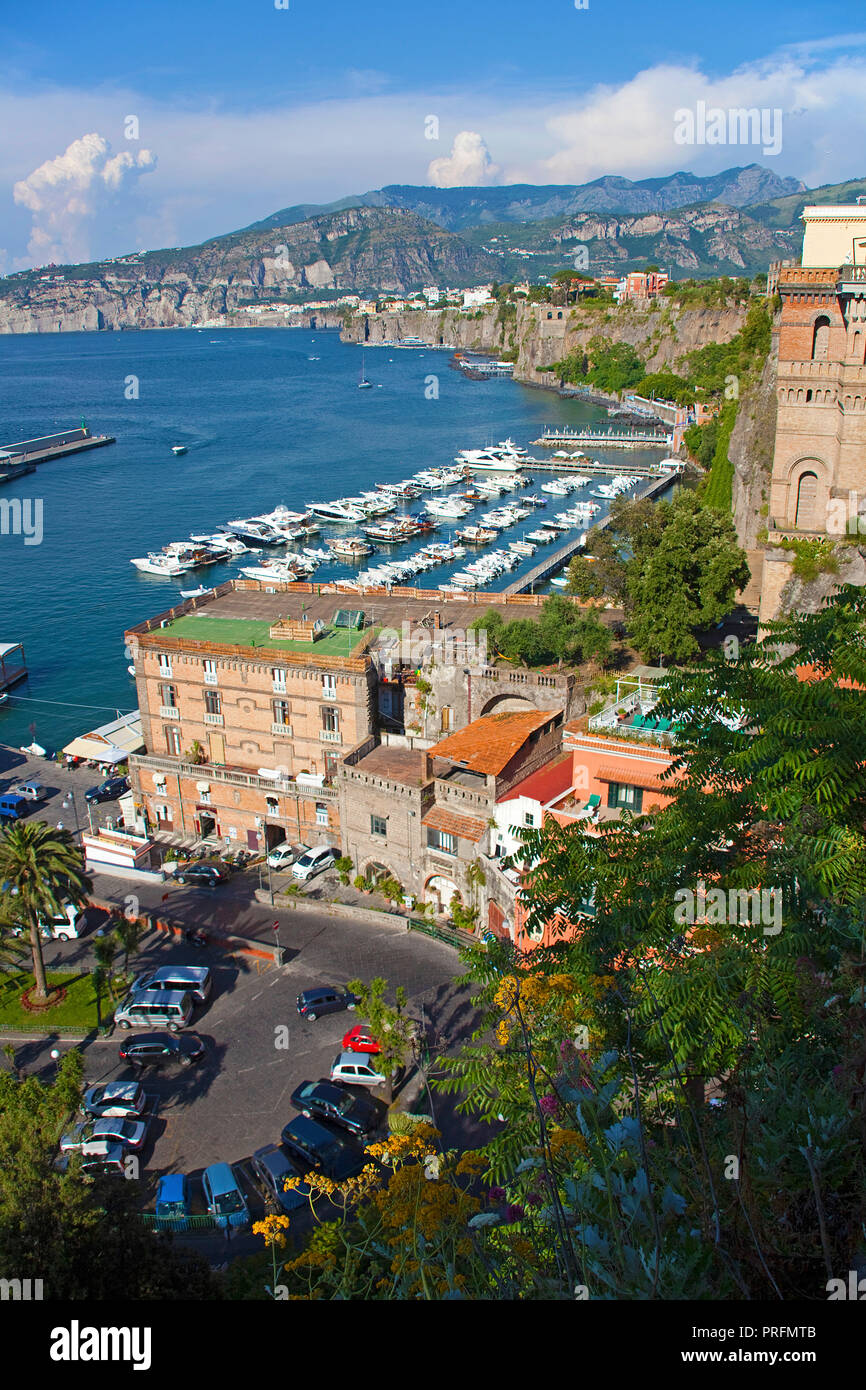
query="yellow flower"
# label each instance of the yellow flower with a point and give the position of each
(272, 1230)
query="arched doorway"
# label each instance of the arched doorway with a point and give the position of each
(806, 518)
(375, 873)
(821, 339)
(442, 891)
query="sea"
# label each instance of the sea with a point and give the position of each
(268, 416)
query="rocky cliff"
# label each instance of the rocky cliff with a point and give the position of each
(361, 250)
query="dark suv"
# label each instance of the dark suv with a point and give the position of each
(109, 790)
(208, 875)
(312, 1003)
(162, 1050)
(313, 1146)
(337, 1105)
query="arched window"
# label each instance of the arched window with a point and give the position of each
(807, 498)
(821, 338)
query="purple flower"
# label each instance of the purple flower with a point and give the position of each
(497, 1194)
(534, 1199)
(513, 1213)
(549, 1104)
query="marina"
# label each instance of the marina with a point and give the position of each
(608, 439)
(194, 509)
(53, 446)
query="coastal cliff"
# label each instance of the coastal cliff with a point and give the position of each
(361, 250)
(542, 334)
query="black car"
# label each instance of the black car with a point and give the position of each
(162, 1050)
(312, 1003)
(314, 1146)
(206, 875)
(337, 1105)
(271, 1166)
(109, 790)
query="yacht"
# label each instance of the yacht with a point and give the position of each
(351, 547)
(557, 488)
(476, 535)
(341, 512)
(168, 566)
(193, 555)
(178, 449)
(541, 537)
(283, 571)
(448, 507)
(255, 532)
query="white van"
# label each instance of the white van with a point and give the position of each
(67, 926)
(155, 1009)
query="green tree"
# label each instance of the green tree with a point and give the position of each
(84, 1238)
(42, 868)
(390, 1025)
(128, 931)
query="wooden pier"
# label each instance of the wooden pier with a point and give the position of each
(551, 564)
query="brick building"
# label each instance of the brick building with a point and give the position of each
(819, 462)
(251, 698)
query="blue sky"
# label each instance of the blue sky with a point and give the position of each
(243, 108)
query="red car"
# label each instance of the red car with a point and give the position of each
(360, 1039)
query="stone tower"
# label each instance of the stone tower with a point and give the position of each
(819, 466)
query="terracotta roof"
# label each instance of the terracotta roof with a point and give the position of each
(464, 827)
(545, 784)
(628, 778)
(488, 744)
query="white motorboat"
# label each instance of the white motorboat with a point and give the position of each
(256, 532)
(556, 487)
(541, 537)
(178, 449)
(559, 581)
(167, 566)
(283, 571)
(351, 547)
(340, 512)
(193, 593)
(448, 507)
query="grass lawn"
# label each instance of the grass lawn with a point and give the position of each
(252, 632)
(77, 1010)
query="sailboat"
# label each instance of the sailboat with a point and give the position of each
(363, 383)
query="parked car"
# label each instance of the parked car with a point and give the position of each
(282, 856)
(66, 926)
(155, 1009)
(162, 1050)
(123, 1098)
(360, 1039)
(316, 1147)
(312, 1003)
(31, 791)
(271, 1166)
(336, 1104)
(130, 1133)
(109, 790)
(194, 980)
(13, 807)
(205, 875)
(314, 861)
(102, 1159)
(224, 1198)
(356, 1070)
(172, 1201)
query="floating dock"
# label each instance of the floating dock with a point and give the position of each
(13, 667)
(551, 564)
(52, 446)
(605, 439)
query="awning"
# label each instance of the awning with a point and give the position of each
(466, 827)
(110, 743)
(626, 777)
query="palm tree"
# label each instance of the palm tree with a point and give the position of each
(128, 933)
(42, 868)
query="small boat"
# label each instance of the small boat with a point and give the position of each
(351, 547)
(559, 581)
(165, 565)
(131, 670)
(193, 593)
(178, 449)
(4, 697)
(35, 750)
(363, 383)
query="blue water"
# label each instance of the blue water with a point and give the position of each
(263, 425)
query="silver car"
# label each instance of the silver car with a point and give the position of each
(130, 1133)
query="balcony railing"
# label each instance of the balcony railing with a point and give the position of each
(330, 736)
(232, 777)
(169, 712)
(214, 718)
(281, 730)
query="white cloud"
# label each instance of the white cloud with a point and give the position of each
(629, 129)
(468, 165)
(65, 195)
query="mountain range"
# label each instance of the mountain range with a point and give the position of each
(401, 237)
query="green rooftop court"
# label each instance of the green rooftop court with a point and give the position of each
(255, 632)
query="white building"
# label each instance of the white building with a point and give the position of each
(474, 298)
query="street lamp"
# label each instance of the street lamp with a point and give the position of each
(70, 802)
